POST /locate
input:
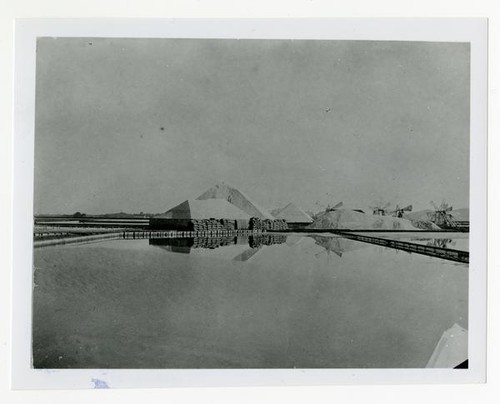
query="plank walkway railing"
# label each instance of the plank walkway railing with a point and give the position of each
(432, 251)
(139, 234)
(181, 234)
(78, 239)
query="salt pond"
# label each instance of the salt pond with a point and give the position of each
(308, 302)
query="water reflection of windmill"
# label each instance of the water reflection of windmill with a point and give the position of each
(441, 242)
(442, 216)
(380, 209)
(400, 212)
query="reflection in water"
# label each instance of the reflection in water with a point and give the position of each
(437, 242)
(265, 239)
(131, 304)
(337, 245)
(442, 242)
(188, 245)
(178, 245)
(184, 245)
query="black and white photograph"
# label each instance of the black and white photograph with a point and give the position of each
(250, 203)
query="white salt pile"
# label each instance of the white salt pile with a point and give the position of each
(350, 219)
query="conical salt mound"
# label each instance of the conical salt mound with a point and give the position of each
(194, 209)
(293, 214)
(237, 198)
(350, 219)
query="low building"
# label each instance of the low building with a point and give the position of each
(236, 198)
(183, 216)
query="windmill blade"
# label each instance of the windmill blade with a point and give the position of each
(338, 205)
(443, 206)
(434, 205)
(448, 209)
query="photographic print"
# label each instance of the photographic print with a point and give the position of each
(251, 203)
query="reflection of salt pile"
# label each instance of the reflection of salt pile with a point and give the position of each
(265, 239)
(337, 245)
(350, 219)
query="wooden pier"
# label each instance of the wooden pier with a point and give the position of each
(79, 236)
(182, 234)
(66, 237)
(431, 251)
(77, 239)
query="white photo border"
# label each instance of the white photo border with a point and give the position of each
(27, 31)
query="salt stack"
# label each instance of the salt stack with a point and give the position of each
(268, 224)
(256, 224)
(277, 224)
(201, 225)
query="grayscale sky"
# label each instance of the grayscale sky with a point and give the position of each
(143, 124)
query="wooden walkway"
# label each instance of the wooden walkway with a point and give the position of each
(66, 237)
(180, 234)
(431, 251)
(76, 239)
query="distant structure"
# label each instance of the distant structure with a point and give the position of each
(294, 216)
(400, 212)
(181, 217)
(338, 206)
(442, 216)
(380, 209)
(236, 198)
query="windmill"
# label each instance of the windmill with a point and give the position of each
(442, 216)
(400, 212)
(380, 209)
(329, 208)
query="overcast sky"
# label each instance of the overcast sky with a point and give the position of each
(143, 124)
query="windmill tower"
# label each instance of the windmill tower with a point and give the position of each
(330, 208)
(400, 212)
(442, 216)
(380, 209)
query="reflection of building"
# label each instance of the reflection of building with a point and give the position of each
(178, 245)
(236, 248)
(294, 216)
(183, 216)
(265, 239)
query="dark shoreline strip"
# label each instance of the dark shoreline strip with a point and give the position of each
(431, 251)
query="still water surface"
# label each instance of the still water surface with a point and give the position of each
(305, 302)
